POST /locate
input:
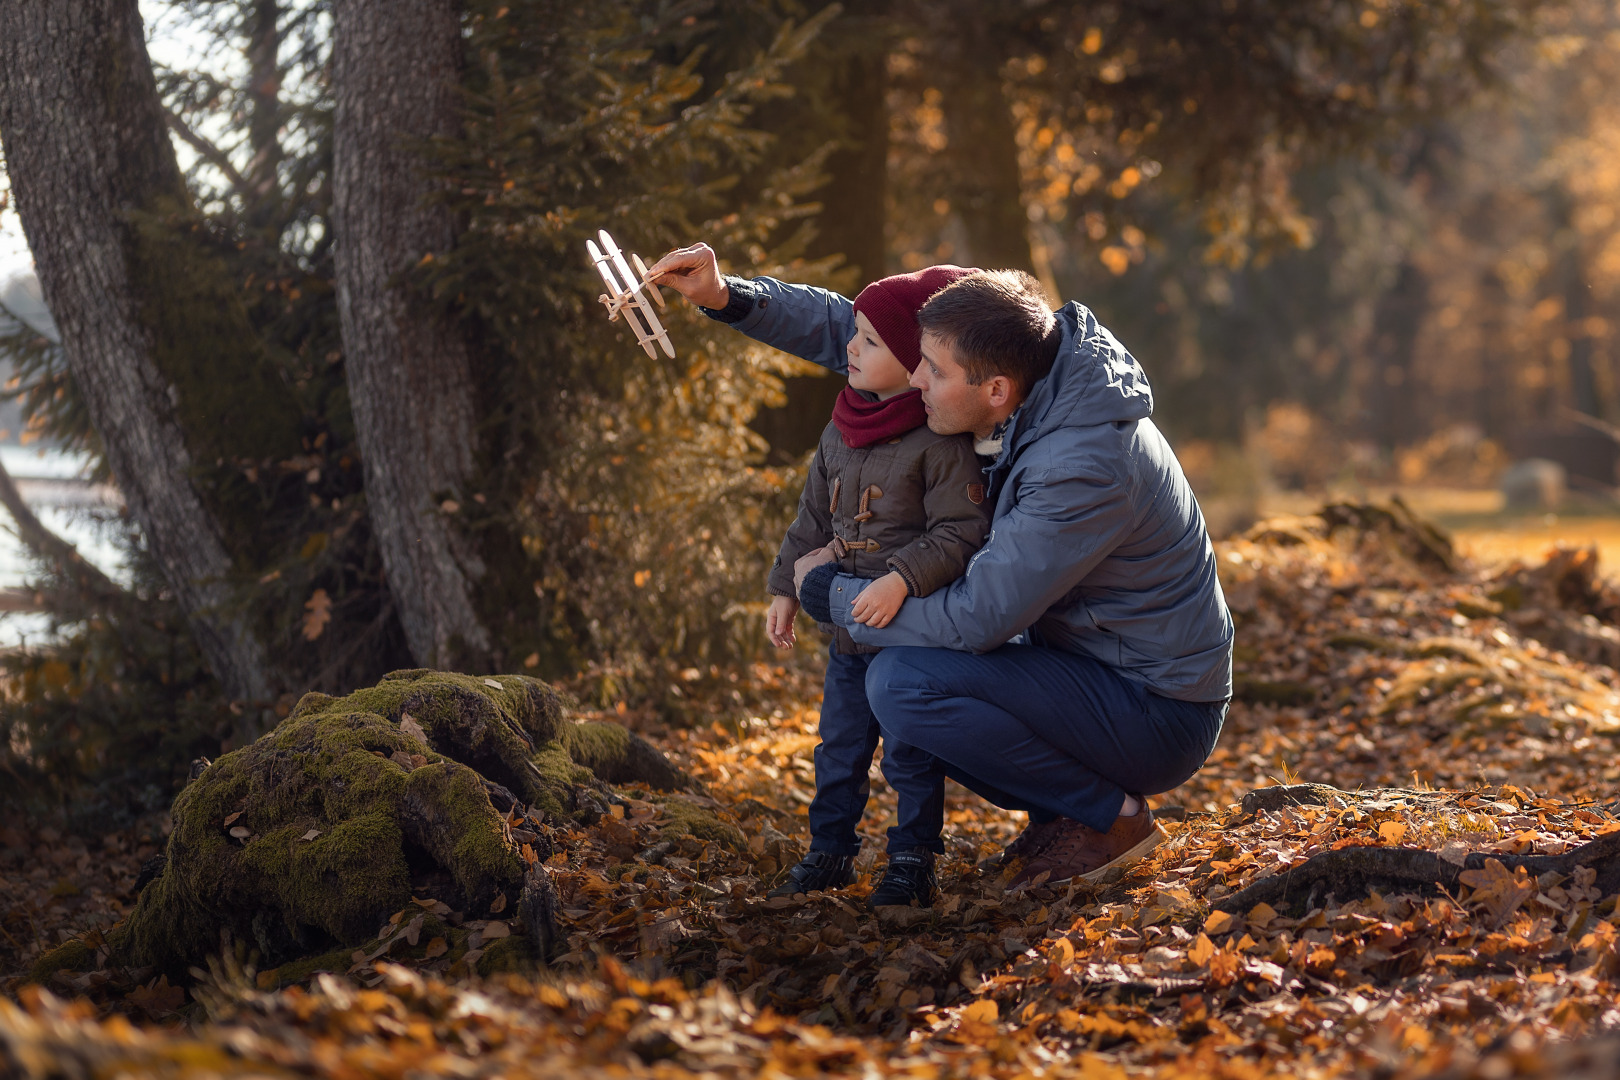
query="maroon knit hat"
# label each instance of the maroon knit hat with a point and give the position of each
(892, 304)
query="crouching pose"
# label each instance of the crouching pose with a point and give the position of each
(1084, 660)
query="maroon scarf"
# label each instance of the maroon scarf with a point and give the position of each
(865, 423)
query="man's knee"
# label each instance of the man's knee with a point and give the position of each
(899, 689)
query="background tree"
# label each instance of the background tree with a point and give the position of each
(395, 70)
(554, 506)
(157, 342)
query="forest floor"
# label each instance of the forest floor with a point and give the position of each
(1460, 710)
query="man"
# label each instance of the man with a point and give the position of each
(1085, 658)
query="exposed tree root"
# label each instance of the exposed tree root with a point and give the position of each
(1273, 799)
(1354, 872)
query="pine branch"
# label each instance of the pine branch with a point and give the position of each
(211, 153)
(46, 545)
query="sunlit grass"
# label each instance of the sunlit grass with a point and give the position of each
(1478, 524)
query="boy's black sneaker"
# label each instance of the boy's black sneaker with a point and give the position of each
(908, 879)
(817, 871)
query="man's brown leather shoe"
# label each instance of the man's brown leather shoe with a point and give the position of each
(1026, 845)
(1072, 850)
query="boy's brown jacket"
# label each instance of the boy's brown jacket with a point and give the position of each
(914, 504)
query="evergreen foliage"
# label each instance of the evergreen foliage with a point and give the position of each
(632, 485)
(623, 512)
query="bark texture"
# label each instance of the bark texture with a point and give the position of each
(395, 67)
(98, 189)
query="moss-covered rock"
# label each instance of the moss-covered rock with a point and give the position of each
(306, 840)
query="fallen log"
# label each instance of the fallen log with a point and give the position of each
(1351, 873)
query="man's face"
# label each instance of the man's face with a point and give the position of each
(953, 403)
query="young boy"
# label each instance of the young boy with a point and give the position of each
(903, 506)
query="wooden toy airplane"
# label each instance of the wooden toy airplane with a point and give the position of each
(627, 293)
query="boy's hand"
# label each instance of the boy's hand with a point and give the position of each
(779, 621)
(880, 600)
(694, 273)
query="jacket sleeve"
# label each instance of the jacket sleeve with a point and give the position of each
(810, 323)
(810, 529)
(957, 525)
(1061, 526)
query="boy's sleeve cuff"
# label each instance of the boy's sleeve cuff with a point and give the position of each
(743, 298)
(815, 593)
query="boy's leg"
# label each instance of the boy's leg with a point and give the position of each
(918, 780)
(1045, 730)
(849, 735)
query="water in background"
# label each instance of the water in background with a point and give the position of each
(53, 482)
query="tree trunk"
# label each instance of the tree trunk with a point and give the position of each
(394, 70)
(1396, 324)
(263, 26)
(1574, 282)
(983, 180)
(149, 322)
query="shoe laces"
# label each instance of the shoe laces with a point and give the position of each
(1034, 837)
(1076, 838)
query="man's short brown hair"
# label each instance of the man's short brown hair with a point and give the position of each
(996, 322)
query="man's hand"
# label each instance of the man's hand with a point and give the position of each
(694, 273)
(808, 562)
(779, 621)
(880, 600)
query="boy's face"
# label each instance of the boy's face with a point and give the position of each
(871, 365)
(954, 404)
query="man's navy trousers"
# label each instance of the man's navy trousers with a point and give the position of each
(1037, 729)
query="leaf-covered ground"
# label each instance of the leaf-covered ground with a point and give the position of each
(1363, 663)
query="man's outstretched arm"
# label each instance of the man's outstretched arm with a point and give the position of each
(812, 324)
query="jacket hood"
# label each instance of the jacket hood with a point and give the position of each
(1095, 380)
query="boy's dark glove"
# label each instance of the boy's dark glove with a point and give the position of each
(815, 594)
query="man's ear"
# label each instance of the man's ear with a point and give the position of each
(999, 391)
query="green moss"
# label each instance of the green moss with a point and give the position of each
(620, 756)
(74, 955)
(318, 880)
(509, 954)
(297, 971)
(593, 744)
(478, 856)
(337, 805)
(690, 819)
(558, 776)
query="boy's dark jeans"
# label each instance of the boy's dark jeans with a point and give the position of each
(849, 735)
